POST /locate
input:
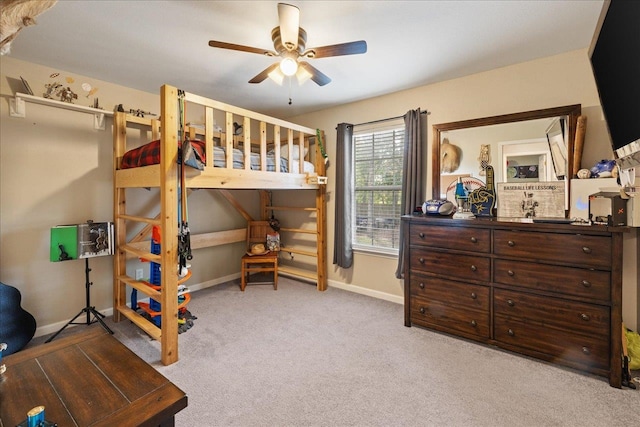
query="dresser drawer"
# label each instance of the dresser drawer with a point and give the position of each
(469, 321)
(573, 316)
(563, 248)
(463, 239)
(455, 266)
(588, 352)
(595, 284)
(450, 293)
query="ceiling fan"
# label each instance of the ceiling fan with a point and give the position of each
(289, 42)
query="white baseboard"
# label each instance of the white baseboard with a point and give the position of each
(365, 291)
(54, 327)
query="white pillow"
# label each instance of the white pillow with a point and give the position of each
(284, 151)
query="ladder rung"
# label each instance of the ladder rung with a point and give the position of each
(153, 221)
(299, 230)
(298, 251)
(307, 274)
(141, 286)
(140, 253)
(152, 330)
(290, 208)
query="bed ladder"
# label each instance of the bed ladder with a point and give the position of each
(139, 247)
(319, 253)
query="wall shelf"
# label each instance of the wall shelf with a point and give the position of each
(17, 108)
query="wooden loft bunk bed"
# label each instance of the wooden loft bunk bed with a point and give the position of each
(229, 163)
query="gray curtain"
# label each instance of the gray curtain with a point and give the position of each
(413, 181)
(342, 247)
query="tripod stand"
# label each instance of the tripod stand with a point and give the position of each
(89, 309)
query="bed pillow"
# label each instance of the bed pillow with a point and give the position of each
(295, 151)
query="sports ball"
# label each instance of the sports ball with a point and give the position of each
(584, 174)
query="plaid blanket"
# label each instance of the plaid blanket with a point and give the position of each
(149, 154)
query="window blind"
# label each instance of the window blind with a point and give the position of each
(378, 157)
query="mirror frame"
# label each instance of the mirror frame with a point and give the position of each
(572, 112)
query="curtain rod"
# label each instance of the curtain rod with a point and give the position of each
(386, 120)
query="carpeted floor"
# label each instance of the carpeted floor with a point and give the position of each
(299, 357)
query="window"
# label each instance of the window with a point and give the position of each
(378, 158)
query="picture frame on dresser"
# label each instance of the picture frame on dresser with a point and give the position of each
(531, 199)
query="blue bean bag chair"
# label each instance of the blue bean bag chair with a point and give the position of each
(17, 326)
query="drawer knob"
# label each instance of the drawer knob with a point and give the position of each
(421, 235)
(422, 310)
(473, 295)
(586, 250)
(474, 323)
(421, 260)
(511, 243)
(511, 333)
(510, 303)
(585, 317)
(511, 273)
(421, 285)
(585, 350)
(474, 240)
(474, 268)
(586, 283)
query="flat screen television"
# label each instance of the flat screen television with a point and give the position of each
(615, 60)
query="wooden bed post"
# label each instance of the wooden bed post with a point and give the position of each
(168, 216)
(321, 205)
(119, 206)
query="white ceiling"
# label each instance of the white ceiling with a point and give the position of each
(144, 44)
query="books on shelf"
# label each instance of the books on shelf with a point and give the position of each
(91, 239)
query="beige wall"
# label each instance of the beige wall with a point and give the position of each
(548, 82)
(56, 169)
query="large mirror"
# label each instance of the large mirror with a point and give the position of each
(522, 147)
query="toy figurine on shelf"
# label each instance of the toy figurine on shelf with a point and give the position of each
(52, 88)
(67, 95)
(136, 112)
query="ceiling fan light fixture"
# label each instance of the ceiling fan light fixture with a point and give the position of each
(288, 66)
(289, 42)
(302, 75)
(277, 76)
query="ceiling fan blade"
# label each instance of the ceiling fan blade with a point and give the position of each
(351, 48)
(316, 75)
(241, 48)
(289, 17)
(264, 74)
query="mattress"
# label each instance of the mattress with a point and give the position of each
(149, 154)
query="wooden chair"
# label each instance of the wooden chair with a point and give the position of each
(263, 263)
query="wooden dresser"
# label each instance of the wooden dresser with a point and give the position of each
(549, 291)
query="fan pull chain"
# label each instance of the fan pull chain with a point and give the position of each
(289, 78)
